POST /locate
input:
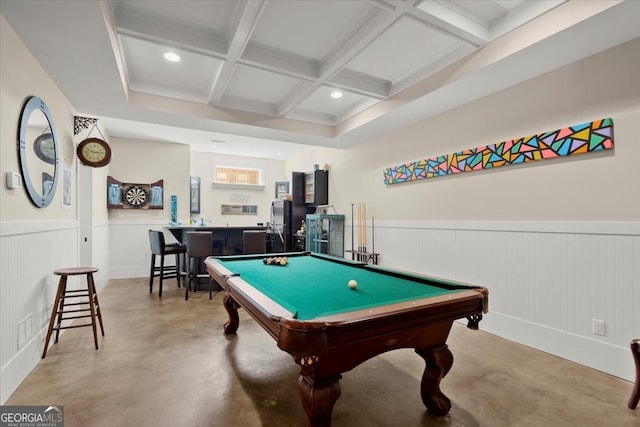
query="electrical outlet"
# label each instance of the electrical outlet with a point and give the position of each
(598, 327)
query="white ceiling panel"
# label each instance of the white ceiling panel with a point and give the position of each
(420, 44)
(262, 86)
(191, 78)
(311, 29)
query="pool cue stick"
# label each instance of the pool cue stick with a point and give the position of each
(360, 231)
(373, 235)
(353, 253)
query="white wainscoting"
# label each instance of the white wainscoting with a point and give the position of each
(31, 251)
(130, 253)
(547, 281)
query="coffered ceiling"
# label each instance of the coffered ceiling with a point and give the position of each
(255, 76)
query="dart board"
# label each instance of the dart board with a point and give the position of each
(135, 196)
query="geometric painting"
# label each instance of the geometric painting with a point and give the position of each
(578, 139)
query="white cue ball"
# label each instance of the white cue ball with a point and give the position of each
(353, 284)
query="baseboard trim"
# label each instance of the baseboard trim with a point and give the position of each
(20, 365)
(599, 355)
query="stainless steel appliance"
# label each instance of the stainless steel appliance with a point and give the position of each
(286, 218)
(280, 225)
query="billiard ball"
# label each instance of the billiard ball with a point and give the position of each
(353, 284)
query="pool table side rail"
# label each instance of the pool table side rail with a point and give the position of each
(415, 305)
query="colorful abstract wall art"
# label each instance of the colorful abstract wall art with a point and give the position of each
(578, 139)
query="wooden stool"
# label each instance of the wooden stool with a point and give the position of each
(635, 395)
(59, 307)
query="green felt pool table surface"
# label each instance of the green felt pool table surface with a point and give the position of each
(314, 287)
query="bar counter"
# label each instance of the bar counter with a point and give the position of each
(226, 240)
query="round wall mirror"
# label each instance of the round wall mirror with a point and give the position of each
(38, 151)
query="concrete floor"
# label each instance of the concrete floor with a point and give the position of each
(166, 362)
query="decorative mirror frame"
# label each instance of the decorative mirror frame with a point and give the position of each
(43, 199)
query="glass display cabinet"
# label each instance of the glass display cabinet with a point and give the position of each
(325, 234)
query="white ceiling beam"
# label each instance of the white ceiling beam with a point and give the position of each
(247, 17)
(521, 14)
(362, 84)
(438, 15)
(168, 35)
(280, 62)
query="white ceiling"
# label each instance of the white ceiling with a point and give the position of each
(255, 76)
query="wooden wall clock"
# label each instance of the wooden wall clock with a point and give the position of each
(94, 152)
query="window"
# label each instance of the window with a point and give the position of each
(238, 172)
(234, 175)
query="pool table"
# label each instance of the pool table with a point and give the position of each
(329, 328)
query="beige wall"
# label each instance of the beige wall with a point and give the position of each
(136, 161)
(33, 241)
(590, 187)
(202, 165)
(20, 78)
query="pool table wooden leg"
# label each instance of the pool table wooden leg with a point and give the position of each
(438, 363)
(318, 398)
(231, 326)
(635, 394)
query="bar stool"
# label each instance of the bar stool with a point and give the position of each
(79, 309)
(254, 241)
(199, 246)
(635, 394)
(161, 249)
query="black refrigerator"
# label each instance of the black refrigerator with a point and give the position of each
(286, 219)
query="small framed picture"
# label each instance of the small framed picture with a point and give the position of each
(66, 186)
(195, 195)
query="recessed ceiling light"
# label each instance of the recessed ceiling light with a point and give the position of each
(170, 56)
(336, 94)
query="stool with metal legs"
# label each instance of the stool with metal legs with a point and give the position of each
(74, 305)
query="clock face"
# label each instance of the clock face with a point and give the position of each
(135, 196)
(94, 152)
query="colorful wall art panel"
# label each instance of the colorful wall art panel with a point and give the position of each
(578, 139)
